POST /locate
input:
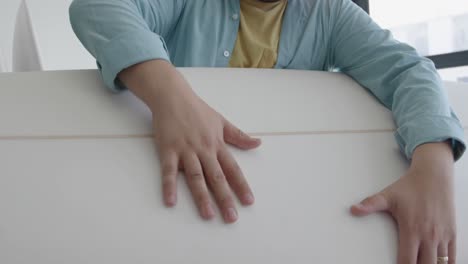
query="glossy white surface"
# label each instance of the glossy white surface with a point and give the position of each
(87, 194)
(98, 201)
(75, 103)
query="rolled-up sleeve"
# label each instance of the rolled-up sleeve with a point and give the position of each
(122, 33)
(397, 75)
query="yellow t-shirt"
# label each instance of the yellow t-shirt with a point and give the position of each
(259, 33)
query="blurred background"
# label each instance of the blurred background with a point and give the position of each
(438, 29)
(35, 34)
(8, 10)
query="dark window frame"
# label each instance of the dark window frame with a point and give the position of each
(441, 61)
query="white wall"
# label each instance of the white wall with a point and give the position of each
(8, 9)
(54, 44)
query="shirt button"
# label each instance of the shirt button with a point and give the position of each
(226, 53)
(235, 16)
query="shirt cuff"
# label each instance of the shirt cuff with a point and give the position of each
(430, 129)
(126, 50)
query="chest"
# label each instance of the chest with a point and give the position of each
(206, 33)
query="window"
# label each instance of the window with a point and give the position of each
(457, 74)
(438, 30)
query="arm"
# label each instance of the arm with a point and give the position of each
(126, 37)
(122, 33)
(422, 201)
(403, 81)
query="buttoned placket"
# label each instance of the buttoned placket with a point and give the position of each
(234, 17)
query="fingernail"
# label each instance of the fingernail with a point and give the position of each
(231, 215)
(208, 211)
(360, 206)
(249, 199)
(171, 200)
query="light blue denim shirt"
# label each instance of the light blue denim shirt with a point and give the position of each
(316, 35)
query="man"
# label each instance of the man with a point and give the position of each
(136, 44)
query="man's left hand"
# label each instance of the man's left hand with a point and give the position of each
(422, 203)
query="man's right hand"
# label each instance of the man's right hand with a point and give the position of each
(189, 134)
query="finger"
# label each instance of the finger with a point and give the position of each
(427, 253)
(218, 184)
(197, 185)
(442, 250)
(169, 170)
(372, 204)
(237, 138)
(235, 177)
(408, 246)
(452, 252)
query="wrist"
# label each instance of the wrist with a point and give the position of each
(155, 82)
(434, 155)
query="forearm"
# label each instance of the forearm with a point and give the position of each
(152, 80)
(439, 156)
(404, 81)
(121, 33)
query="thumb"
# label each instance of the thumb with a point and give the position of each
(237, 138)
(372, 204)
